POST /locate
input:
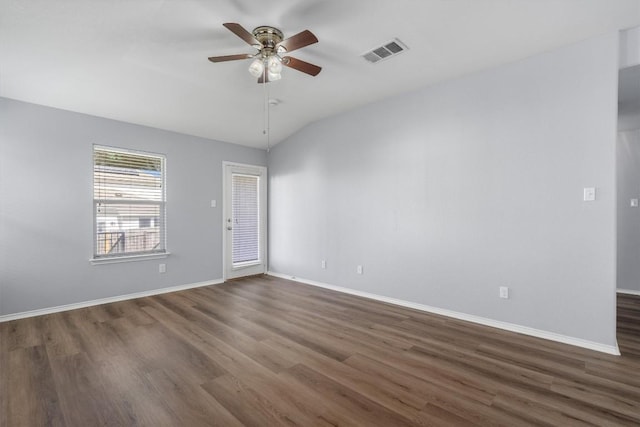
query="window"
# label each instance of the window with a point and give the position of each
(129, 203)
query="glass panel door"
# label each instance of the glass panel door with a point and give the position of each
(245, 222)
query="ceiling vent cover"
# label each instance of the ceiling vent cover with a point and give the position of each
(385, 51)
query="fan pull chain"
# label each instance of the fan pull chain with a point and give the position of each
(267, 128)
(268, 120)
(264, 102)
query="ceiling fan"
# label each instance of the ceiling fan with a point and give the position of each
(271, 45)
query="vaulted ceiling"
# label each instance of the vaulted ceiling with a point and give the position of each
(145, 61)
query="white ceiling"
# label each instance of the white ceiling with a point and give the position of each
(145, 61)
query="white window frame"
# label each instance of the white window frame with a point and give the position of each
(130, 256)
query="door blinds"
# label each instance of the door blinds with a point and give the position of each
(246, 218)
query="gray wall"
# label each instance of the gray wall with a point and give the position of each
(447, 193)
(46, 207)
(629, 47)
(628, 171)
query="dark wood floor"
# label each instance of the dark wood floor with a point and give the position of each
(265, 351)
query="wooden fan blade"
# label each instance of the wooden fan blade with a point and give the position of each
(301, 65)
(245, 35)
(230, 57)
(302, 39)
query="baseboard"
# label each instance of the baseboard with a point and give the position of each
(66, 307)
(525, 330)
(628, 292)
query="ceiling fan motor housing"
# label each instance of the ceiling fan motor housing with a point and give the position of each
(269, 37)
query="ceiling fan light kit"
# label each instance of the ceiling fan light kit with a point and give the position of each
(275, 64)
(272, 77)
(267, 62)
(256, 69)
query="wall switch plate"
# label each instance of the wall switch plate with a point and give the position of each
(504, 292)
(634, 203)
(323, 263)
(162, 268)
(359, 269)
(589, 194)
(214, 203)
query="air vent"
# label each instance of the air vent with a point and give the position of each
(385, 51)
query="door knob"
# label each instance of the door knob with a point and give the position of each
(229, 228)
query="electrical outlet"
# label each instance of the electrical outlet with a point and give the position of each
(359, 269)
(323, 263)
(504, 292)
(162, 268)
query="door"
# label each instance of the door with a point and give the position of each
(245, 220)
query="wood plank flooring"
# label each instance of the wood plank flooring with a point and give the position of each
(263, 351)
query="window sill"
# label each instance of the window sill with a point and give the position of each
(127, 258)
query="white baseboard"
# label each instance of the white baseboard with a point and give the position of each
(628, 292)
(552, 336)
(59, 308)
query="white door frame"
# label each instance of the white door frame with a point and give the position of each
(228, 271)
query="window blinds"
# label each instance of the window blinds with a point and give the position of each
(246, 216)
(129, 202)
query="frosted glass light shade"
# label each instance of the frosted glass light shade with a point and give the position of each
(274, 65)
(256, 68)
(274, 76)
